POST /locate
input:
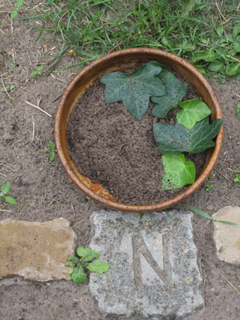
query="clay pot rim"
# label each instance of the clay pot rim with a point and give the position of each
(69, 166)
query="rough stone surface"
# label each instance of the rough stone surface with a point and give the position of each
(153, 270)
(227, 237)
(36, 250)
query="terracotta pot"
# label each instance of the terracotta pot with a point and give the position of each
(118, 61)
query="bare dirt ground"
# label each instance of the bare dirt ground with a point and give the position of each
(44, 192)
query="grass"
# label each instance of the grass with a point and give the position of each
(92, 28)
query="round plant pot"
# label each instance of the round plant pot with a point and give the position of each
(119, 61)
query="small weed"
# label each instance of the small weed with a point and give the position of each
(84, 262)
(237, 178)
(52, 150)
(238, 111)
(17, 7)
(212, 175)
(12, 87)
(209, 187)
(4, 191)
(37, 71)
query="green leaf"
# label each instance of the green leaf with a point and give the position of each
(70, 264)
(40, 68)
(52, 155)
(188, 47)
(176, 90)
(10, 200)
(177, 171)
(99, 267)
(176, 138)
(215, 66)
(205, 215)
(200, 69)
(221, 54)
(219, 30)
(5, 188)
(236, 31)
(165, 75)
(51, 145)
(13, 14)
(34, 73)
(208, 55)
(78, 275)
(87, 254)
(73, 259)
(134, 90)
(193, 111)
(19, 3)
(233, 69)
(236, 46)
(231, 53)
(141, 216)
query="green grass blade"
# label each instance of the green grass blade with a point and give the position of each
(205, 215)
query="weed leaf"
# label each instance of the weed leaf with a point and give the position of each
(13, 14)
(208, 55)
(233, 69)
(73, 259)
(19, 3)
(177, 138)
(87, 254)
(10, 200)
(99, 267)
(78, 275)
(236, 46)
(5, 188)
(52, 155)
(236, 31)
(134, 90)
(176, 90)
(177, 171)
(205, 215)
(51, 145)
(215, 66)
(193, 111)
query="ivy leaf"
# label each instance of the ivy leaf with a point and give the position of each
(134, 90)
(87, 254)
(5, 188)
(78, 275)
(99, 267)
(193, 111)
(176, 90)
(165, 75)
(177, 171)
(176, 138)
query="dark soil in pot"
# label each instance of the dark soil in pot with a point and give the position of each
(109, 146)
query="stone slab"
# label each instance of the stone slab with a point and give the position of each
(153, 270)
(36, 250)
(227, 237)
